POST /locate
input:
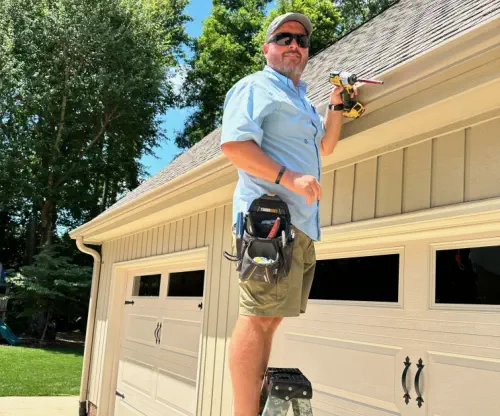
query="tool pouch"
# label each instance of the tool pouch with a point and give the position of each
(259, 256)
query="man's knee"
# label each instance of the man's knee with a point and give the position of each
(265, 324)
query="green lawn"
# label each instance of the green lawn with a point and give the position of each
(40, 372)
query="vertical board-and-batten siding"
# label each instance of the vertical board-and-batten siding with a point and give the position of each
(458, 167)
(187, 233)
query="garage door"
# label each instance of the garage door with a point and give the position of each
(403, 327)
(159, 347)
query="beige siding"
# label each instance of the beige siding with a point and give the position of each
(325, 206)
(389, 184)
(448, 164)
(483, 162)
(457, 167)
(342, 195)
(193, 232)
(417, 177)
(365, 188)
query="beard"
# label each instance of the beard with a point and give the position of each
(291, 68)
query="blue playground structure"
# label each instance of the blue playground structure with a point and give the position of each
(8, 334)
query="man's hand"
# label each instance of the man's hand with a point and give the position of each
(305, 185)
(336, 98)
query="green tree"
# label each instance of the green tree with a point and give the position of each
(230, 48)
(222, 54)
(82, 84)
(52, 287)
(356, 12)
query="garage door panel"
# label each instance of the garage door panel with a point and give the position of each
(188, 343)
(351, 370)
(160, 338)
(462, 385)
(123, 409)
(176, 391)
(138, 374)
(186, 368)
(141, 328)
(331, 402)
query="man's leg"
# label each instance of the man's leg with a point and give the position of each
(248, 357)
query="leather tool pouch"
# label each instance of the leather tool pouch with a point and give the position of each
(259, 255)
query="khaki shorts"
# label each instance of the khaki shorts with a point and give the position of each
(289, 296)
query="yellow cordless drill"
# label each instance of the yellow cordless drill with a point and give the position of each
(352, 108)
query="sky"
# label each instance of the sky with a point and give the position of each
(174, 119)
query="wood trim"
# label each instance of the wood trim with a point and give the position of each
(417, 225)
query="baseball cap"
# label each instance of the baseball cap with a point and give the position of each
(287, 17)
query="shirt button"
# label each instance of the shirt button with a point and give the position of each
(305, 141)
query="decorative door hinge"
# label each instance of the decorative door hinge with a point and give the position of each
(129, 302)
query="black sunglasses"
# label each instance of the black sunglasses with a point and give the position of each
(285, 39)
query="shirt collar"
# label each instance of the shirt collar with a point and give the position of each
(284, 79)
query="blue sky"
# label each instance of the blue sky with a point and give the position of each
(174, 119)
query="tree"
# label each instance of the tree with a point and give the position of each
(230, 48)
(222, 54)
(52, 287)
(82, 85)
(356, 12)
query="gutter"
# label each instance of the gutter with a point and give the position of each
(89, 337)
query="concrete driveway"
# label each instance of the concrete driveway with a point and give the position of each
(39, 406)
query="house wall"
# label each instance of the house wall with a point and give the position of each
(454, 168)
(460, 166)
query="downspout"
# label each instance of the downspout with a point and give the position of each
(89, 338)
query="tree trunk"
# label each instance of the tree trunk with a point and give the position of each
(31, 236)
(46, 210)
(49, 316)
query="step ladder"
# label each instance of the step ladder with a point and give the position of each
(282, 386)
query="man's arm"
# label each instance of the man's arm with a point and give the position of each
(333, 122)
(333, 126)
(248, 156)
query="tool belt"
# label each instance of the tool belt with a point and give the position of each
(264, 241)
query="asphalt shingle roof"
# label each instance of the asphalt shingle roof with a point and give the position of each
(403, 31)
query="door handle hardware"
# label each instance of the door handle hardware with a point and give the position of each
(403, 380)
(120, 394)
(156, 332)
(129, 302)
(420, 367)
(159, 334)
(200, 305)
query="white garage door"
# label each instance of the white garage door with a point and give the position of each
(160, 340)
(431, 295)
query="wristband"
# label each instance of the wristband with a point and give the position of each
(278, 178)
(336, 107)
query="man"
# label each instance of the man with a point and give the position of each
(273, 135)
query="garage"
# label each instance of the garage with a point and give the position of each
(428, 323)
(160, 341)
(404, 314)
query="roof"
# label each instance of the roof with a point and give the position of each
(399, 34)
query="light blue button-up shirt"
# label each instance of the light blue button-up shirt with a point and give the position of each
(266, 107)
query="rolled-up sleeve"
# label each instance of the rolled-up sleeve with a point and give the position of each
(245, 109)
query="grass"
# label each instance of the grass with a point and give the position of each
(26, 371)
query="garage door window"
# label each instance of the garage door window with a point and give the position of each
(148, 285)
(468, 275)
(369, 278)
(189, 284)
